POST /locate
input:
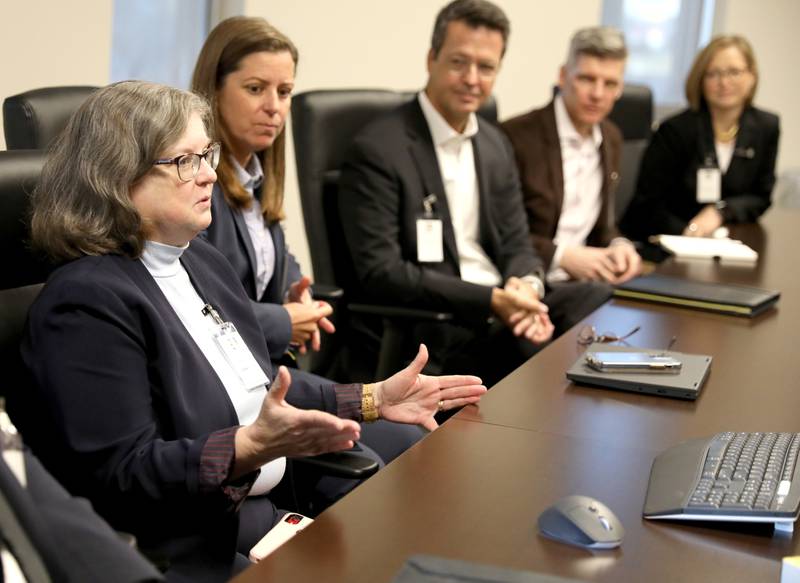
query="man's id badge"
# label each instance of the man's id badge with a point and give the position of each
(429, 241)
(709, 185)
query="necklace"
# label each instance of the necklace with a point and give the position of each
(727, 135)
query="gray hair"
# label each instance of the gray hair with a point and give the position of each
(604, 42)
(82, 204)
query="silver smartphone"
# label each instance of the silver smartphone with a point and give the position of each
(633, 362)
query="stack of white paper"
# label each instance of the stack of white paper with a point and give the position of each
(726, 250)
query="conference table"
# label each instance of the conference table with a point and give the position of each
(473, 489)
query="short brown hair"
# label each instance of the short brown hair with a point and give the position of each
(230, 42)
(694, 81)
(82, 204)
(475, 13)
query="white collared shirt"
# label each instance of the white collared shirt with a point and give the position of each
(457, 166)
(263, 245)
(583, 179)
(163, 263)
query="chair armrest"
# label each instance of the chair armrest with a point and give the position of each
(397, 312)
(341, 464)
(329, 293)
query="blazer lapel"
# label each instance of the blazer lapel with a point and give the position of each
(488, 235)
(555, 166)
(244, 237)
(424, 155)
(744, 150)
(277, 283)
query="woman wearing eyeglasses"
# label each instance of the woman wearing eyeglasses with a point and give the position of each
(714, 163)
(155, 396)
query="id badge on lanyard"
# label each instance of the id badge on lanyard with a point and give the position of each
(709, 183)
(236, 352)
(430, 247)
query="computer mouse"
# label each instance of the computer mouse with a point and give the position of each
(582, 521)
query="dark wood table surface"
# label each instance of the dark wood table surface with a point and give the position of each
(473, 489)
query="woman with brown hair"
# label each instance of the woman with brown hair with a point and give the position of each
(714, 163)
(246, 71)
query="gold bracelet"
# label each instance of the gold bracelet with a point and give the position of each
(369, 412)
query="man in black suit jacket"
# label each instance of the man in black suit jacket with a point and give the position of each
(433, 159)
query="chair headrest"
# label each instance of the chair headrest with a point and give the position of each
(31, 120)
(19, 174)
(325, 121)
(633, 112)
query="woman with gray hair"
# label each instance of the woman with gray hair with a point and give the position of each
(713, 163)
(155, 397)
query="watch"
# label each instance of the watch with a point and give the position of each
(369, 412)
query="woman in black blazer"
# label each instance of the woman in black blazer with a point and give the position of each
(154, 392)
(722, 141)
(246, 71)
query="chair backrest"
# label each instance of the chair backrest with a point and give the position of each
(633, 114)
(323, 125)
(32, 119)
(23, 271)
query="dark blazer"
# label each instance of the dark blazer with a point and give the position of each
(228, 233)
(125, 400)
(537, 149)
(390, 168)
(64, 533)
(665, 199)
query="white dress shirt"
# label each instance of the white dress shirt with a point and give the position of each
(163, 263)
(263, 245)
(583, 179)
(457, 166)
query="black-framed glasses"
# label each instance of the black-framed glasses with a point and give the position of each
(189, 164)
(588, 335)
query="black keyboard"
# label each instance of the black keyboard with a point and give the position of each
(746, 477)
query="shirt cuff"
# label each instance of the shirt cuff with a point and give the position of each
(348, 401)
(555, 263)
(216, 465)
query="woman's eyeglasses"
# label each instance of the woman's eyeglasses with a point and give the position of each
(189, 164)
(589, 335)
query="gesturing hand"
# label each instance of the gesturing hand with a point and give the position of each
(411, 397)
(283, 430)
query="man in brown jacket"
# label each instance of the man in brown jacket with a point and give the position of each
(568, 157)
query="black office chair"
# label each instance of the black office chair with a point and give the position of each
(633, 113)
(323, 124)
(23, 271)
(32, 119)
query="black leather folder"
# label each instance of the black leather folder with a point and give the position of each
(738, 300)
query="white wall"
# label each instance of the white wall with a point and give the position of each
(771, 27)
(45, 43)
(368, 43)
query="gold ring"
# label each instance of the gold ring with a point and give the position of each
(441, 405)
